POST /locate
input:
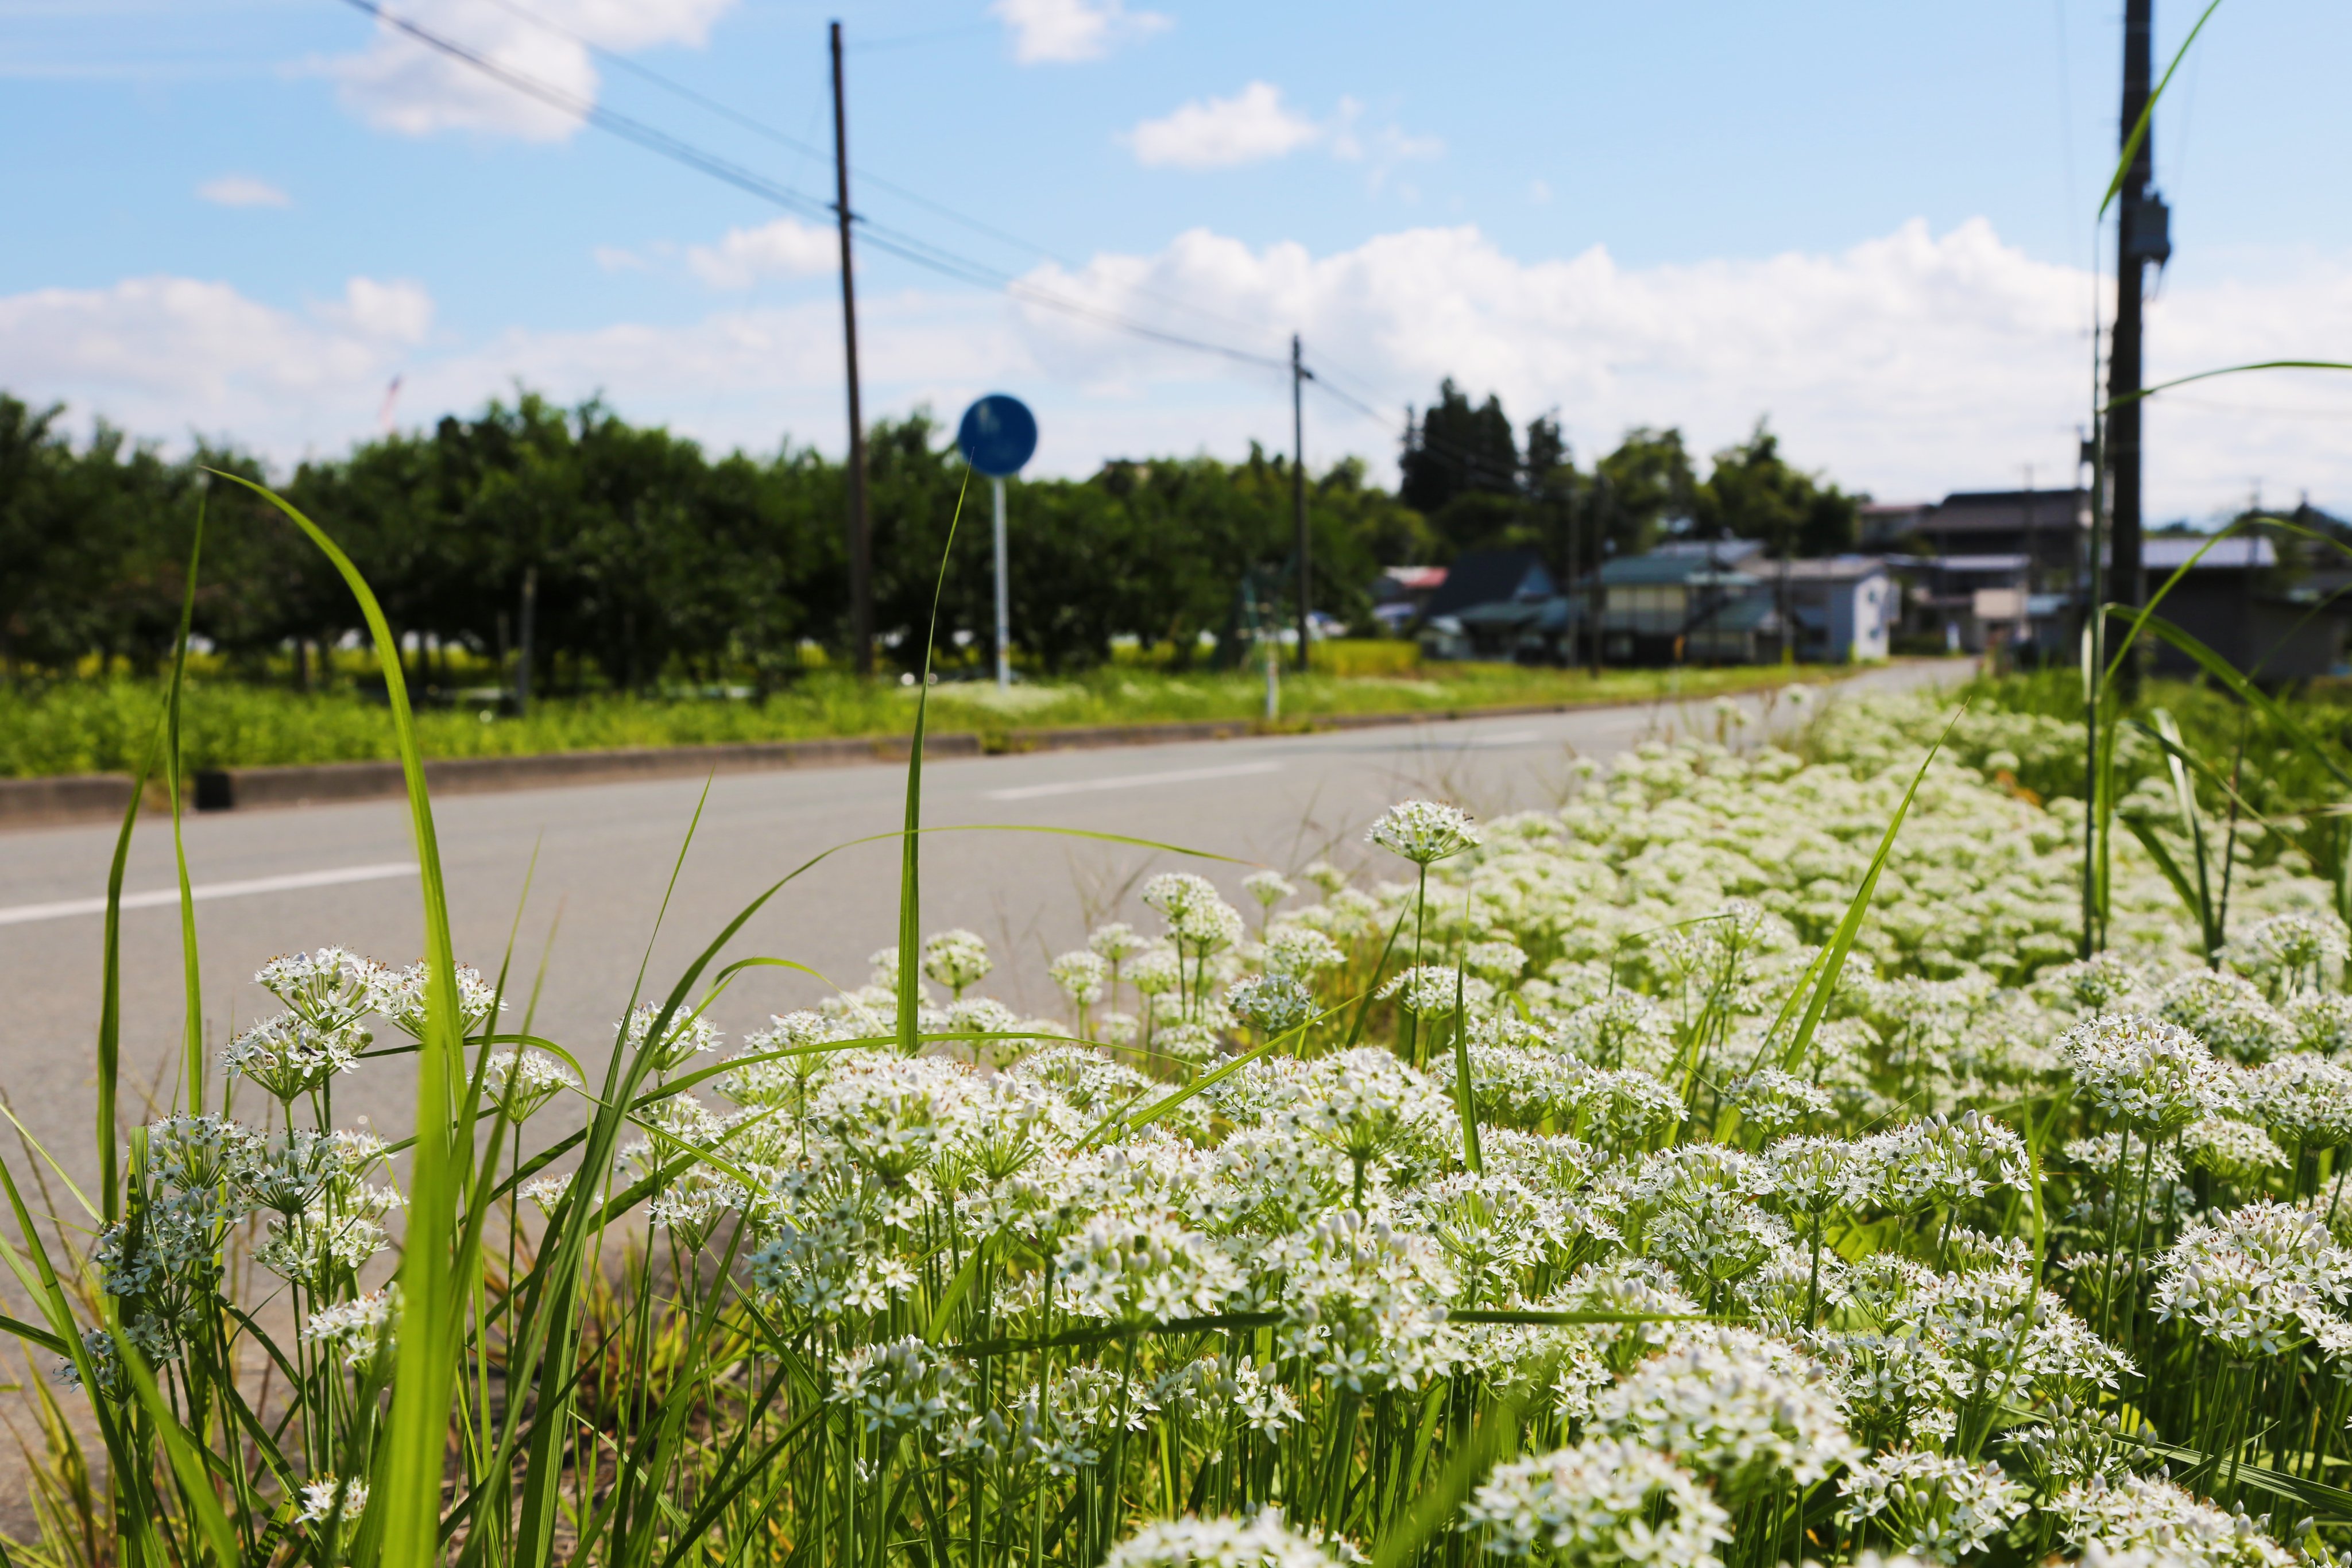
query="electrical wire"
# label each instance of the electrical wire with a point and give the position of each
(801, 145)
(608, 120)
(907, 247)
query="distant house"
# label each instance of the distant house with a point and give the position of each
(1488, 600)
(1695, 603)
(1965, 601)
(2240, 601)
(1988, 565)
(2050, 528)
(1842, 611)
(1400, 594)
(1490, 577)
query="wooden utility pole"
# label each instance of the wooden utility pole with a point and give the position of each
(861, 547)
(2142, 236)
(1298, 490)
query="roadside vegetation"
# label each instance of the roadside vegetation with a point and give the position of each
(1743, 1162)
(94, 726)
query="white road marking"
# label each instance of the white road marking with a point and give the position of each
(1134, 780)
(23, 913)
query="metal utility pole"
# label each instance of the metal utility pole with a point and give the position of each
(1298, 490)
(2142, 236)
(861, 547)
(1003, 591)
(1596, 592)
(529, 619)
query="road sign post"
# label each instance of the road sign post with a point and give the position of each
(999, 435)
(1004, 594)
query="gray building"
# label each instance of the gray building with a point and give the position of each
(1697, 602)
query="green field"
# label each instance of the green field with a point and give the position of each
(104, 726)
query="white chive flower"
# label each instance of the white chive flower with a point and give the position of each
(1603, 1503)
(688, 1035)
(1424, 831)
(519, 1082)
(957, 959)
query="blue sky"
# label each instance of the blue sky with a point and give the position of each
(1870, 222)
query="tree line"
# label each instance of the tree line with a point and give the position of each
(639, 555)
(1463, 468)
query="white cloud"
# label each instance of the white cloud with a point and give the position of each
(242, 191)
(1252, 125)
(400, 83)
(165, 355)
(1907, 365)
(1065, 32)
(785, 248)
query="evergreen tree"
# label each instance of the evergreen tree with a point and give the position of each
(1453, 449)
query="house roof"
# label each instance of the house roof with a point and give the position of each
(2007, 511)
(1962, 563)
(1748, 612)
(1416, 579)
(1502, 613)
(2241, 552)
(1676, 565)
(1726, 550)
(1833, 569)
(1484, 576)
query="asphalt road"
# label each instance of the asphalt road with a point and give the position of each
(276, 881)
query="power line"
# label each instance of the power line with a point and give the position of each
(906, 247)
(866, 176)
(604, 119)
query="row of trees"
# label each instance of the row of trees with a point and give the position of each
(1464, 469)
(640, 553)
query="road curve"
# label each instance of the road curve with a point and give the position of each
(271, 882)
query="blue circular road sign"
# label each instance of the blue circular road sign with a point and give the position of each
(998, 434)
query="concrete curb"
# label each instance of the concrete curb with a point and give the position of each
(92, 797)
(68, 798)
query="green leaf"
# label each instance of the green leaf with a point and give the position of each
(2253, 697)
(910, 880)
(1832, 959)
(2227, 371)
(404, 1501)
(185, 1454)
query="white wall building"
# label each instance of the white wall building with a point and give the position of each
(1841, 610)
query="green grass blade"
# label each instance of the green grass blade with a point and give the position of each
(110, 1010)
(2140, 615)
(911, 879)
(186, 1456)
(1841, 941)
(192, 1040)
(2192, 821)
(2162, 855)
(2205, 770)
(2133, 143)
(2245, 691)
(407, 1495)
(2227, 371)
(1495, 1435)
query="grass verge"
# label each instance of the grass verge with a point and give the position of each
(106, 727)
